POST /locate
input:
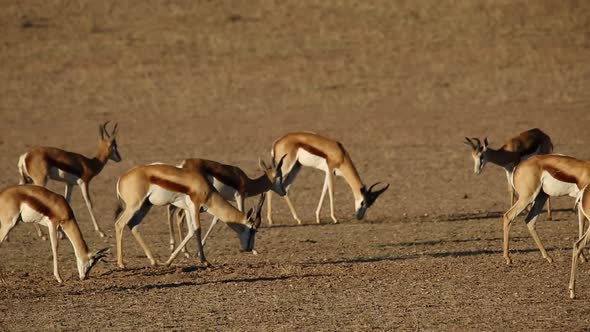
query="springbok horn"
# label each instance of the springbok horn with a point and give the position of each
(470, 143)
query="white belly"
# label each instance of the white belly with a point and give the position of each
(228, 193)
(554, 187)
(159, 196)
(30, 215)
(311, 160)
(62, 176)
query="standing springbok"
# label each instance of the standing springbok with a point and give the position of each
(31, 203)
(312, 150)
(525, 145)
(144, 186)
(43, 163)
(537, 178)
(232, 183)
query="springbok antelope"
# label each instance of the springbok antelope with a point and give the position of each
(583, 214)
(537, 178)
(43, 163)
(144, 186)
(312, 150)
(525, 145)
(31, 203)
(233, 185)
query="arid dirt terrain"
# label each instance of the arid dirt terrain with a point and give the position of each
(399, 83)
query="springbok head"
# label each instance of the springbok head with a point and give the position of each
(274, 174)
(247, 232)
(478, 152)
(109, 141)
(369, 197)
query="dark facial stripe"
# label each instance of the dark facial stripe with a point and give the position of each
(169, 185)
(313, 150)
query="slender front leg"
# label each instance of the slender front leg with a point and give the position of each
(269, 207)
(549, 216)
(292, 208)
(171, 210)
(324, 190)
(331, 194)
(581, 226)
(52, 229)
(200, 251)
(213, 223)
(84, 189)
(191, 231)
(180, 218)
(578, 247)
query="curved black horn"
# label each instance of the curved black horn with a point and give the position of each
(114, 132)
(259, 210)
(477, 141)
(470, 143)
(280, 164)
(371, 187)
(104, 128)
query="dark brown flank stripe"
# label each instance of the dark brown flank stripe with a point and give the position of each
(65, 167)
(561, 175)
(313, 150)
(38, 206)
(169, 185)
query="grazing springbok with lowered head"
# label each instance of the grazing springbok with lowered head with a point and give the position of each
(537, 178)
(157, 184)
(312, 150)
(43, 163)
(525, 145)
(232, 183)
(32, 203)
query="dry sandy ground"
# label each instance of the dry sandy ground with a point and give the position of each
(399, 83)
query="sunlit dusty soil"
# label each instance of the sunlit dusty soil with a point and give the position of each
(398, 83)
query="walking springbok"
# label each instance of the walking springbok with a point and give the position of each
(537, 178)
(525, 145)
(312, 150)
(583, 214)
(43, 163)
(144, 186)
(31, 203)
(232, 183)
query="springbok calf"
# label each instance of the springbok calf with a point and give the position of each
(537, 178)
(232, 183)
(583, 214)
(313, 150)
(525, 145)
(31, 203)
(144, 186)
(43, 163)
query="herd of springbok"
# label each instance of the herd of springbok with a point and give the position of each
(197, 185)
(194, 186)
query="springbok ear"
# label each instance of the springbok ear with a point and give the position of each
(101, 253)
(262, 164)
(101, 131)
(485, 142)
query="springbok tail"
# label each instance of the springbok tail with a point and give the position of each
(22, 170)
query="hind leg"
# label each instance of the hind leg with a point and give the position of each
(531, 221)
(133, 225)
